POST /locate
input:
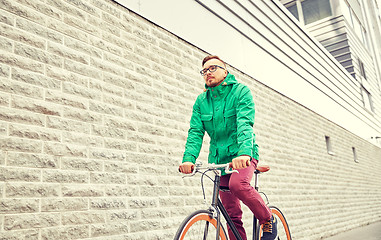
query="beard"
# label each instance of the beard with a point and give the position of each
(213, 82)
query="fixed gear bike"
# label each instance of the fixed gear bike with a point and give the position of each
(206, 224)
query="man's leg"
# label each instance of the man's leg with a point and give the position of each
(239, 185)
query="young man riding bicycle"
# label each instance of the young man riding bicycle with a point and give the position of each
(225, 110)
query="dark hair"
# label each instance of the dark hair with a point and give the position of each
(207, 58)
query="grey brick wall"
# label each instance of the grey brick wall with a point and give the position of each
(94, 110)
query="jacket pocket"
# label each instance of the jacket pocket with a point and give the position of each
(206, 117)
(232, 149)
(207, 121)
(230, 113)
(230, 117)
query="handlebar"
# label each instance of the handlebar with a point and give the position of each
(212, 166)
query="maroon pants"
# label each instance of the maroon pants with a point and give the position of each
(240, 189)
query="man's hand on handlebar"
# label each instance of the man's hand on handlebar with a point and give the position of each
(241, 162)
(186, 167)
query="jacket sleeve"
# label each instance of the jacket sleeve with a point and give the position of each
(245, 122)
(195, 135)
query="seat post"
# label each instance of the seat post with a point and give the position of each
(256, 185)
(255, 220)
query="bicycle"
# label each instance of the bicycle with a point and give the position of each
(206, 223)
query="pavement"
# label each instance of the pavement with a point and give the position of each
(368, 232)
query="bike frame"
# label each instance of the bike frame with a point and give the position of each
(216, 203)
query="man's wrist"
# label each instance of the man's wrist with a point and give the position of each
(189, 158)
(247, 156)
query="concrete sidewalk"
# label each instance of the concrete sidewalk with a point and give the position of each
(368, 232)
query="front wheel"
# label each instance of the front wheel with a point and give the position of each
(282, 226)
(199, 225)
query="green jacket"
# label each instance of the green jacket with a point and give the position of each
(226, 113)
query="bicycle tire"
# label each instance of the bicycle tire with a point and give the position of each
(199, 224)
(284, 232)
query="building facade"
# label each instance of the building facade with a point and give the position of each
(96, 97)
(350, 31)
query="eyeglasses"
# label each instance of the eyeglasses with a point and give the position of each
(211, 69)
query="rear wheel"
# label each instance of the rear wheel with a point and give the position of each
(282, 226)
(199, 225)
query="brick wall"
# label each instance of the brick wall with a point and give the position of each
(94, 110)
